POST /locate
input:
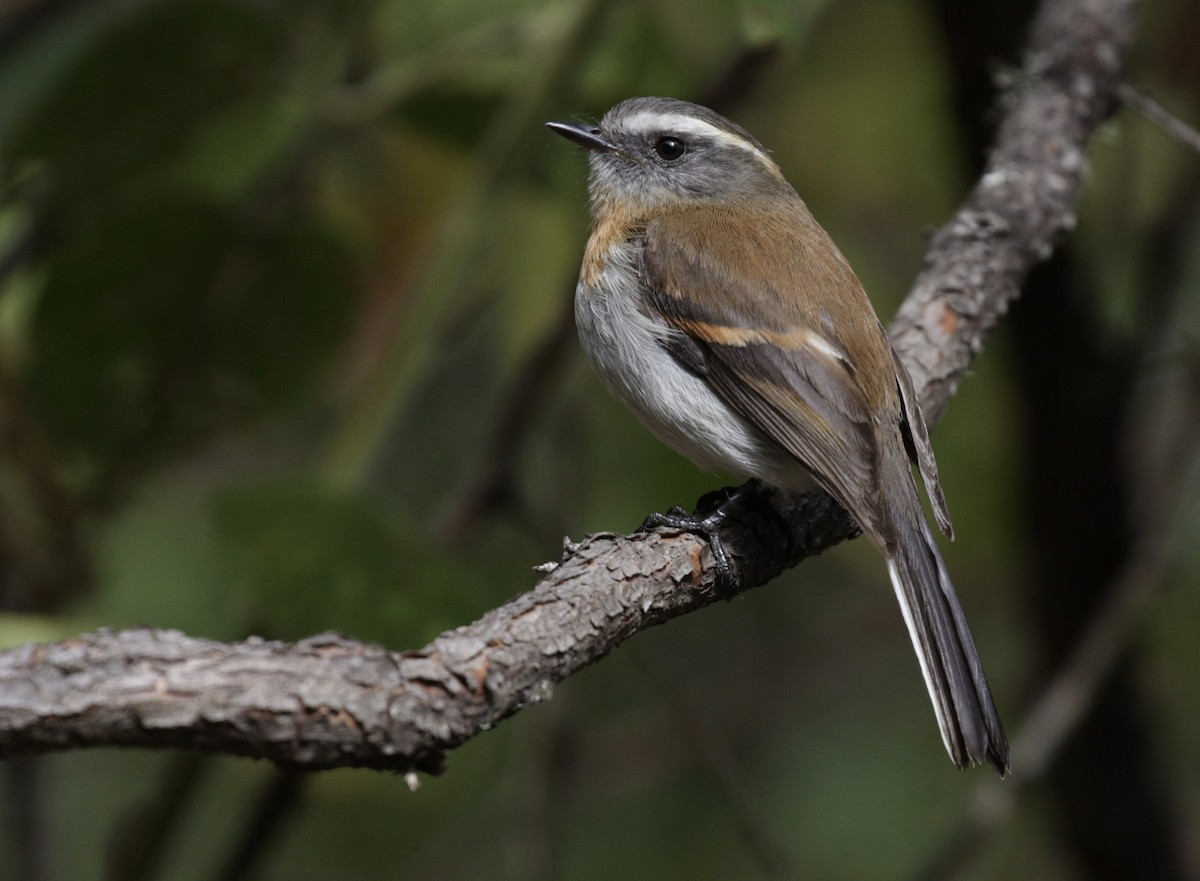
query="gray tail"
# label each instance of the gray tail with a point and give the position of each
(953, 673)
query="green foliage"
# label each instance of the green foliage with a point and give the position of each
(160, 321)
(144, 89)
(309, 559)
(276, 277)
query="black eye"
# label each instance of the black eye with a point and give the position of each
(669, 148)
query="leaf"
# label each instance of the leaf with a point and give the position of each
(141, 93)
(459, 118)
(163, 321)
(312, 558)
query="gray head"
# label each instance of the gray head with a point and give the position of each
(656, 150)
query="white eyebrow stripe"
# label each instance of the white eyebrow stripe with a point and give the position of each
(689, 125)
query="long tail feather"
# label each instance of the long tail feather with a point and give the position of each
(962, 700)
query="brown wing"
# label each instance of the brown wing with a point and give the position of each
(774, 352)
(788, 377)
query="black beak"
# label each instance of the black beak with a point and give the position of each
(585, 136)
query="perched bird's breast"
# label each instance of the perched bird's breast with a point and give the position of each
(628, 344)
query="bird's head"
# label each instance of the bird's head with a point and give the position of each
(648, 153)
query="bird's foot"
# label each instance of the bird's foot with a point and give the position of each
(716, 505)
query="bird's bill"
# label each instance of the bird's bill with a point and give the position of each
(585, 136)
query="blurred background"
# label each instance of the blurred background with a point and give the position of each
(285, 346)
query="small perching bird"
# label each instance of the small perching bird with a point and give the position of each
(713, 303)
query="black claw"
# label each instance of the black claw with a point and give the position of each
(720, 560)
(707, 526)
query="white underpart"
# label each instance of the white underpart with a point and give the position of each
(902, 597)
(681, 124)
(625, 347)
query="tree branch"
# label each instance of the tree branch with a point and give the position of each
(975, 264)
(331, 701)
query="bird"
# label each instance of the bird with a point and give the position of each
(712, 302)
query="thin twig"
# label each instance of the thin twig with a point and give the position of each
(27, 815)
(1159, 115)
(140, 836)
(752, 824)
(19, 246)
(277, 802)
(493, 485)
